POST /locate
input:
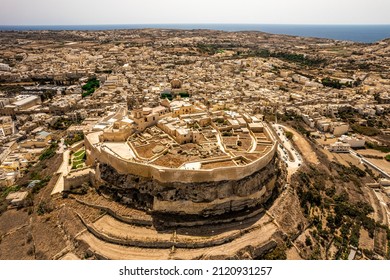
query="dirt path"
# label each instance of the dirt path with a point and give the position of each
(374, 202)
(115, 228)
(262, 234)
(116, 252)
(304, 146)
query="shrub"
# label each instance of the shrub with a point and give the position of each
(289, 135)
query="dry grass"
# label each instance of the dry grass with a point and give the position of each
(365, 242)
(16, 247)
(13, 219)
(304, 147)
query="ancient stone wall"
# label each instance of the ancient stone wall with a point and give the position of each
(200, 193)
(204, 199)
(77, 177)
(160, 244)
(168, 175)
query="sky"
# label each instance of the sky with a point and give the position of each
(80, 12)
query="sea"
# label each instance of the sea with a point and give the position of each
(355, 33)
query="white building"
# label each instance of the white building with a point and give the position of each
(339, 147)
(308, 120)
(354, 142)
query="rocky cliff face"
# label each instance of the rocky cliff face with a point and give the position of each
(204, 199)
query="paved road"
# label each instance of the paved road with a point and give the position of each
(286, 150)
(63, 170)
(385, 208)
(61, 146)
(378, 194)
(366, 161)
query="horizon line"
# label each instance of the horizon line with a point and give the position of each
(218, 23)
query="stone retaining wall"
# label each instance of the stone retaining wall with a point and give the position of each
(113, 214)
(167, 175)
(165, 244)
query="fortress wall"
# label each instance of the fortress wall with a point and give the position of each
(77, 178)
(120, 136)
(167, 175)
(211, 175)
(180, 175)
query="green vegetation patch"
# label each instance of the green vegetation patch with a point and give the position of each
(184, 94)
(210, 49)
(290, 57)
(166, 96)
(49, 152)
(289, 135)
(383, 149)
(9, 190)
(77, 137)
(332, 214)
(335, 83)
(79, 153)
(279, 253)
(62, 124)
(79, 159)
(90, 87)
(365, 130)
(43, 183)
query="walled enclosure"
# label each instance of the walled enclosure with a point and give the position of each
(186, 192)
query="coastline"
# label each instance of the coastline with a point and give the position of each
(355, 33)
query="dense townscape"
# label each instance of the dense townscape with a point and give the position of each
(193, 144)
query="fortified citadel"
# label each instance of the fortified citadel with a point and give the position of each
(184, 162)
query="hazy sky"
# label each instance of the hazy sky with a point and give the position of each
(63, 12)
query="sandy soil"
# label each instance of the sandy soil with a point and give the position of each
(116, 252)
(115, 228)
(382, 163)
(70, 256)
(371, 152)
(258, 236)
(146, 151)
(13, 219)
(292, 254)
(48, 238)
(326, 142)
(16, 246)
(120, 209)
(380, 241)
(287, 212)
(304, 147)
(346, 159)
(365, 242)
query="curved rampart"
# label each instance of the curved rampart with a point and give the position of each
(126, 220)
(167, 175)
(165, 244)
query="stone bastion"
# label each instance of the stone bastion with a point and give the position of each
(186, 194)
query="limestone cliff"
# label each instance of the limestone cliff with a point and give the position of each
(203, 199)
